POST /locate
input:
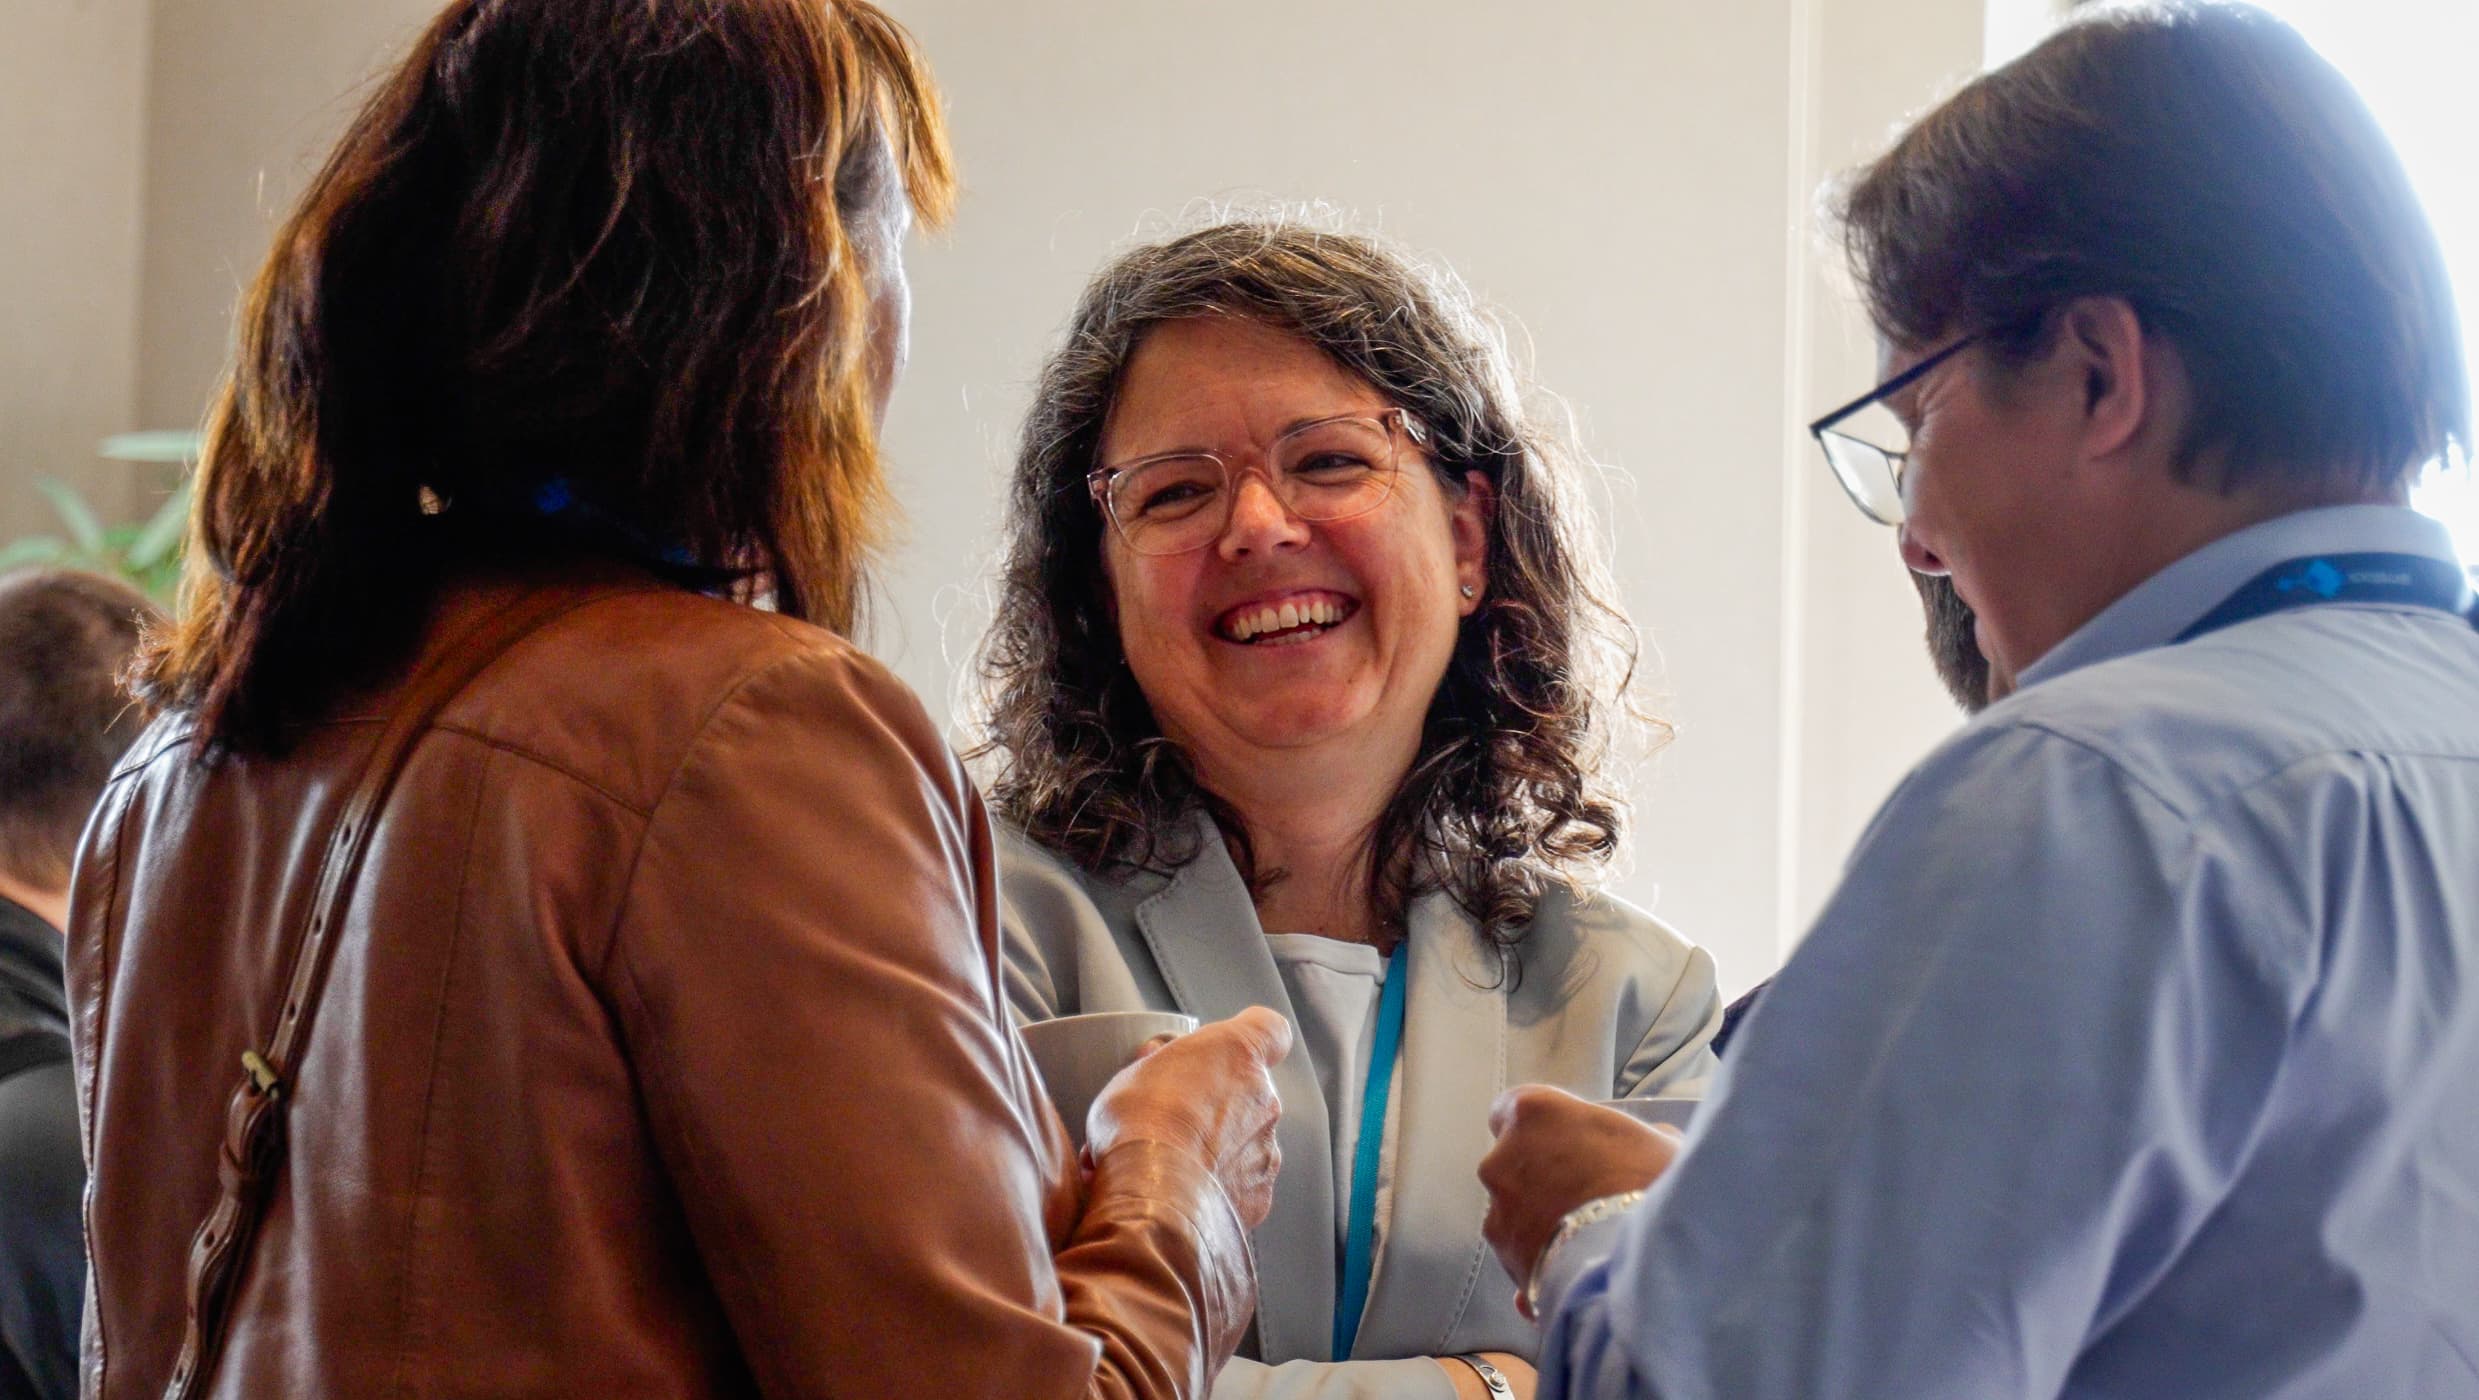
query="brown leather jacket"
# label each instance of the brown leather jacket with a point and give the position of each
(663, 1052)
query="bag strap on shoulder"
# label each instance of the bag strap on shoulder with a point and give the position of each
(254, 1139)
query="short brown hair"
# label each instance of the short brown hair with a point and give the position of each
(594, 248)
(2202, 163)
(65, 717)
(1508, 793)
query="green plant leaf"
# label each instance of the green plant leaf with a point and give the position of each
(151, 447)
(34, 549)
(85, 531)
(161, 582)
(159, 544)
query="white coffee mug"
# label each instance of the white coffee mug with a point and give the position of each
(1077, 1055)
(1664, 1110)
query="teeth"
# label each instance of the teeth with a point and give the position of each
(1315, 612)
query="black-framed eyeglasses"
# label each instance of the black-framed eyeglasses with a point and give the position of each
(1331, 469)
(1870, 473)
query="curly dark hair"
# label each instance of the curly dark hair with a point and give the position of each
(1507, 794)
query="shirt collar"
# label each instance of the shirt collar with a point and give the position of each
(2156, 610)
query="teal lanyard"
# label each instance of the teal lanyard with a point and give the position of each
(1360, 1239)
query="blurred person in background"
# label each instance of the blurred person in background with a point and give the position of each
(646, 1037)
(64, 721)
(2133, 1056)
(1303, 677)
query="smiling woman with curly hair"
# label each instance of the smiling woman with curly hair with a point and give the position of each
(1300, 693)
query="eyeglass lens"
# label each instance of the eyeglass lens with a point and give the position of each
(1866, 453)
(1331, 470)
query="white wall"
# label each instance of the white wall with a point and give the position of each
(1631, 184)
(72, 110)
(1868, 704)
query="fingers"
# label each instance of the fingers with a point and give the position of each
(1210, 1091)
(1264, 1031)
(1554, 1152)
(1525, 1100)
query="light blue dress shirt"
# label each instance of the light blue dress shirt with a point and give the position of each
(2137, 1054)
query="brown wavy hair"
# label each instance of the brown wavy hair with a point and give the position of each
(1506, 795)
(594, 247)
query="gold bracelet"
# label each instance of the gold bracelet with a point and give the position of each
(1570, 1225)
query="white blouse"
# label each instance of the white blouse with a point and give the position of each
(1334, 988)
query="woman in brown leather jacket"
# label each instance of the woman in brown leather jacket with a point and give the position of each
(536, 955)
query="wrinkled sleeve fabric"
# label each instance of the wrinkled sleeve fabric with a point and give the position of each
(2009, 1073)
(893, 1222)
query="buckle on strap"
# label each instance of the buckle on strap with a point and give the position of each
(262, 1075)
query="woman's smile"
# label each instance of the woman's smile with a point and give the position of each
(1285, 619)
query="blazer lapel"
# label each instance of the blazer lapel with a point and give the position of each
(1203, 932)
(1432, 1255)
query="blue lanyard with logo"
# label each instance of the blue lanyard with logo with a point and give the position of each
(2412, 580)
(1360, 1231)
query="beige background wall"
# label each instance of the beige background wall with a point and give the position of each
(1630, 184)
(72, 139)
(1867, 705)
(247, 95)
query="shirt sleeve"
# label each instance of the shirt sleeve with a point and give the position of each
(1580, 1354)
(2006, 1077)
(806, 977)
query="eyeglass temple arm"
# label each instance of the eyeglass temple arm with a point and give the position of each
(1890, 387)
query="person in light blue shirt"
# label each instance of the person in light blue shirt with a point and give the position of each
(2137, 1054)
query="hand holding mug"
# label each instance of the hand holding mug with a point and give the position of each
(1209, 1093)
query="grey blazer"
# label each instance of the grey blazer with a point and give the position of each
(1610, 1002)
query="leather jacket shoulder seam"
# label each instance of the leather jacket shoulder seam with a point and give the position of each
(688, 754)
(541, 760)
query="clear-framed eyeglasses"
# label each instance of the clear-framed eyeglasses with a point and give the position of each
(1855, 438)
(1331, 469)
